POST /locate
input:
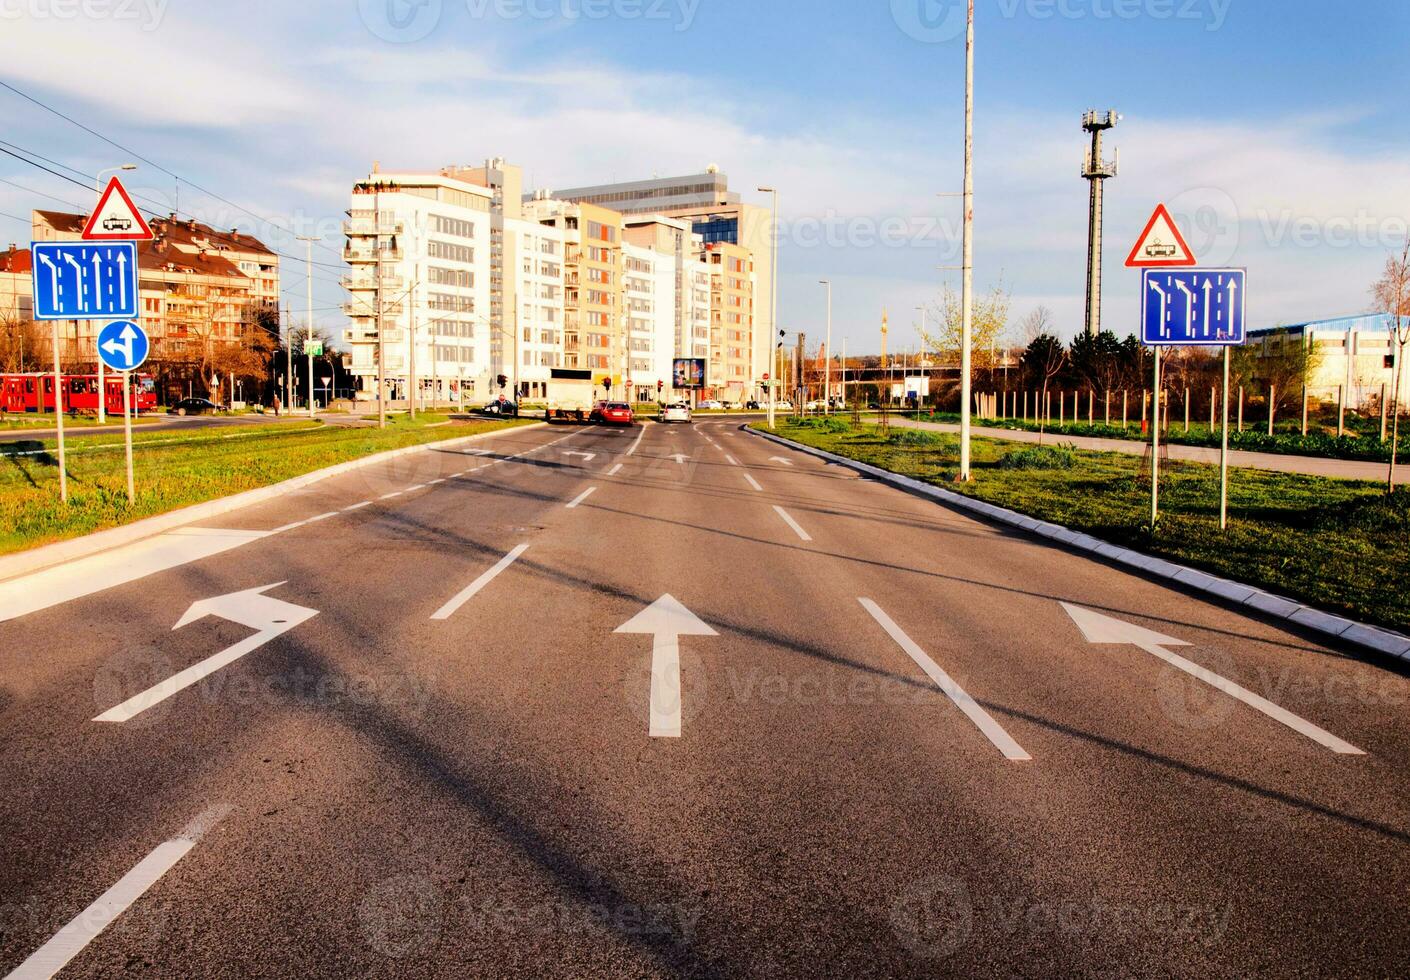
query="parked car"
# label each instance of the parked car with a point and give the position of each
(502, 407)
(612, 413)
(676, 412)
(193, 406)
(711, 404)
(783, 405)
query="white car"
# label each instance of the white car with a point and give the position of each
(711, 404)
(676, 412)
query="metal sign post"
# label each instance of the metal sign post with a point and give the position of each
(1155, 446)
(127, 430)
(59, 418)
(1224, 451)
(124, 346)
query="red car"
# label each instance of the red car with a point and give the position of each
(612, 413)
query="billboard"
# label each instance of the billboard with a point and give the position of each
(688, 372)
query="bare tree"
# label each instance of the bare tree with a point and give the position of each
(1037, 323)
(1392, 295)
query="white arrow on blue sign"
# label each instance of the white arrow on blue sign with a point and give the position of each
(123, 345)
(1192, 307)
(84, 280)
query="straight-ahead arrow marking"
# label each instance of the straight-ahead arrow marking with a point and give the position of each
(1097, 628)
(985, 722)
(269, 617)
(666, 621)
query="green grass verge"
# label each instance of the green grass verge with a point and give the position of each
(176, 469)
(21, 423)
(1338, 545)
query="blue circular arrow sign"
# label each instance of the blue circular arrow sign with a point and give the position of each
(123, 345)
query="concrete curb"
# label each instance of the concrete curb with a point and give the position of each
(1274, 606)
(46, 556)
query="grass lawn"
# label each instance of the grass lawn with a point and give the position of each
(19, 423)
(175, 469)
(1338, 545)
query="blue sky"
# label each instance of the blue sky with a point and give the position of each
(1275, 130)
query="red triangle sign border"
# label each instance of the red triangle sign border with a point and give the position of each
(1136, 261)
(142, 232)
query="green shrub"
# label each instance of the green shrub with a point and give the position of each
(1040, 458)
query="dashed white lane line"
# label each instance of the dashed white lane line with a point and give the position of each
(982, 719)
(359, 506)
(469, 592)
(615, 470)
(787, 519)
(582, 496)
(732, 460)
(753, 483)
(83, 928)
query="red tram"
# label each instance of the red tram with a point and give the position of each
(35, 393)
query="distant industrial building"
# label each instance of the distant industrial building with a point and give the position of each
(1356, 352)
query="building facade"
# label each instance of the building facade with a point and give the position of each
(1355, 353)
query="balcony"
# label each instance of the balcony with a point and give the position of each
(359, 256)
(369, 309)
(367, 226)
(366, 282)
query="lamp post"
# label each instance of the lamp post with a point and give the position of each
(102, 391)
(773, 316)
(967, 287)
(308, 240)
(827, 363)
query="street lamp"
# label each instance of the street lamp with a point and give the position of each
(773, 316)
(102, 390)
(827, 364)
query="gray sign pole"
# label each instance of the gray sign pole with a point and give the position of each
(59, 418)
(1224, 451)
(127, 429)
(1155, 444)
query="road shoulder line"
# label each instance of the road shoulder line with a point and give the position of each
(1383, 641)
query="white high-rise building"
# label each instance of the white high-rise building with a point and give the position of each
(419, 245)
(535, 253)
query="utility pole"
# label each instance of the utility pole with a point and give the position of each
(801, 357)
(381, 346)
(411, 391)
(774, 380)
(967, 278)
(1096, 171)
(308, 241)
(827, 365)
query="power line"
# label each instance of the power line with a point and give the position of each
(30, 190)
(158, 166)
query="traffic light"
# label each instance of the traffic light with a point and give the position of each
(659, 386)
(606, 384)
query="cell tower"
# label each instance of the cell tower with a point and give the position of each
(1095, 171)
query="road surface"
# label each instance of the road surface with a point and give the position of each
(1345, 469)
(906, 743)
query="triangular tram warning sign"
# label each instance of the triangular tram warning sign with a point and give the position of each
(116, 218)
(1161, 244)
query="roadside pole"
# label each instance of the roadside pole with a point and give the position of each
(1224, 451)
(127, 429)
(967, 249)
(1155, 446)
(102, 393)
(59, 418)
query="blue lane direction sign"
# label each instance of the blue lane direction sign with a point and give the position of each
(84, 280)
(1192, 307)
(123, 345)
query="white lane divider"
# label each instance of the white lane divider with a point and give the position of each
(83, 928)
(358, 506)
(985, 722)
(471, 590)
(581, 497)
(615, 470)
(788, 519)
(390, 496)
(753, 483)
(732, 460)
(322, 517)
(640, 436)
(268, 616)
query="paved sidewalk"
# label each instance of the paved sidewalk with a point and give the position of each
(1346, 469)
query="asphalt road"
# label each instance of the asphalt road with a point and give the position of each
(435, 757)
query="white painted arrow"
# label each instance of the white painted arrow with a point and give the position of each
(587, 457)
(129, 337)
(1098, 628)
(666, 620)
(269, 617)
(679, 458)
(779, 459)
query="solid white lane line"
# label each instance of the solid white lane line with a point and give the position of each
(1278, 713)
(419, 486)
(288, 527)
(615, 470)
(434, 482)
(69, 941)
(322, 517)
(640, 436)
(753, 483)
(389, 496)
(448, 610)
(365, 503)
(792, 523)
(982, 719)
(581, 497)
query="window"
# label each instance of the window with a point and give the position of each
(463, 278)
(452, 253)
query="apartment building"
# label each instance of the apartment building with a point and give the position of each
(664, 281)
(719, 216)
(420, 248)
(594, 327)
(730, 372)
